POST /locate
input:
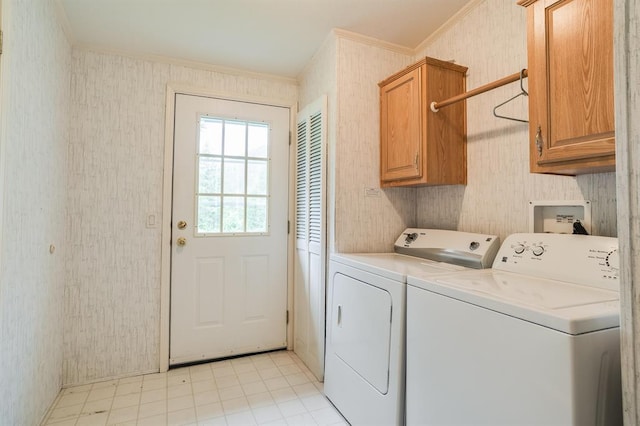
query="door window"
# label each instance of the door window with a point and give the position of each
(233, 177)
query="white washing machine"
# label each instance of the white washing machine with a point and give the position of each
(365, 350)
(533, 341)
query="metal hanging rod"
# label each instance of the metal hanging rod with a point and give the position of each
(435, 106)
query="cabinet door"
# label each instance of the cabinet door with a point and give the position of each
(400, 127)
(571, 86)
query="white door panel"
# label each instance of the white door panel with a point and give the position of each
(361, 329)
(310, 229)
(229, 262)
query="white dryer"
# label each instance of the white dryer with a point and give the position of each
(366, 297)
(533, 341)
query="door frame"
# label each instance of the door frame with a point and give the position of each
(167, 198)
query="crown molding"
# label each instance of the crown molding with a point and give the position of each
(63, 20)
(348, 35)
(187, 63)
(461, 14)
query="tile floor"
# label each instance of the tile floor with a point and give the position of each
(267, 389)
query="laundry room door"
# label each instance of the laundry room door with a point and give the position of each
(229, 228)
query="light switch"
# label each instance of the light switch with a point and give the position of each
(151, 221)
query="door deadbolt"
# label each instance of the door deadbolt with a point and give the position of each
(182, 224)
(182, 241)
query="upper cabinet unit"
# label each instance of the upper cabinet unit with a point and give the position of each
(417, 146)
(571, 113)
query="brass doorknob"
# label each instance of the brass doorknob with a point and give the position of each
(182, 224)
(182, 241)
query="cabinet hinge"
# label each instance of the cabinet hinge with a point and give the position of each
(288, 227)
(287, 316)
(289, 137)
(0, 42)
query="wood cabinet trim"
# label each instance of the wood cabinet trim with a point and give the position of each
(569, 145)
(440, 153)
(427, 60)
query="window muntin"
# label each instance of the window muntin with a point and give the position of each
(232, 162)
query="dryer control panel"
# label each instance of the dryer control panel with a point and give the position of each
(581, 259)
(455, 247)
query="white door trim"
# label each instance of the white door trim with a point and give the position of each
(167, 194)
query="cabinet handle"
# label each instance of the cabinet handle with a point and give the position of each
(415, 162)
(539, 141)
(339, 315)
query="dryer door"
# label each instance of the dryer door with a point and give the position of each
(361, 329)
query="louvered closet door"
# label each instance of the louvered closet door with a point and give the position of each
(310, 237)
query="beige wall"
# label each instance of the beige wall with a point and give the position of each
(116, 155)
(365, 224)
(36, 63)
(500, 187)
(348, 68)
(491, 40)
(115, 147)
(627, 95)
(318, 79)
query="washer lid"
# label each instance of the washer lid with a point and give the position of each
(395, 266)
(570, 308)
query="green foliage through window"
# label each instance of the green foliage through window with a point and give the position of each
(233, 176)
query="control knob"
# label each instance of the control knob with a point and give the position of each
(537, 250)
(410, 238)
(519, 249)
(474, 245)
(613, 259)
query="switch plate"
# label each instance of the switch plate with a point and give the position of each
(372, 192)
(151, 221)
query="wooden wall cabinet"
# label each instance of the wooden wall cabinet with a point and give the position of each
(571, 109)
(417, 146)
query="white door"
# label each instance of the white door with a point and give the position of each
(229, 228)
(310, 232)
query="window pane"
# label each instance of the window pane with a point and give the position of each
(233, 176)
(209, 175)
(233, 216)
(258, 139)
(256, 214)
(208, 214)
(234, 138)
(257, 177)
(210, 136)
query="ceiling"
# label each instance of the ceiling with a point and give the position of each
(275, 37)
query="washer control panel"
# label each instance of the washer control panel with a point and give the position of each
(581, 259)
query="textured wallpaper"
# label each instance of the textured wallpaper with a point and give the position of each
(492, 41)
(365, 223)
(497, 149)
(35, 107)
(348, 68)
(116, 155)
(317, 79)
(111, 299)
(627, 93)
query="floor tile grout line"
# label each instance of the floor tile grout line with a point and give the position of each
(284, 362)
(193, 395)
